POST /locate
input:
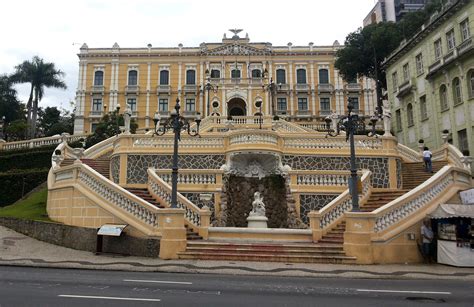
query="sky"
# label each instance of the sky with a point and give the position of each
(55, 29)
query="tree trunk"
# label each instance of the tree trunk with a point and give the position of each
(34, 116)
(28, 112)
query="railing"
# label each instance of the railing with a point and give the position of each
(284, 126)
(417, 199)
(353, 87)
(34, 143)
(132, 89)
(254, 137)
(162, 191)
(325, 87)
(320, 178)
(408, 154)
(320, 127)
(97, 89)
(100, 148)
(437, 64)
(465, 46)
(208, 177)
(108, 195)
(301, 87)
(144, 141)
(450, 56)
(163, 89)
(331, 214)
(331, 143)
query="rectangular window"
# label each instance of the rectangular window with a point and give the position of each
(438, 49)
(191, 77)
(163, 105)
(97, 104)
(303, 104)
(281, 76)
(94, 126)
(406, 72)
(190, 104)
(419, 64)
(465, 34)
(395, 81)
(281, 104)
(423, 108)
(450, 40)
(325, 105)
(132, 103)
(462, 139)
(164, 77)
(235, 74)
(355, 104)
(398, 118)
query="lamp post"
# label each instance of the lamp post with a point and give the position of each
(258, 104)
(271, 88)
(176, 123)
(117, 118)
(208, 87)
(351, 124)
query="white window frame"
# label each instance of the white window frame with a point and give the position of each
(465, 32)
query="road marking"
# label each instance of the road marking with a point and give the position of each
(160, 281)
(112, 298)
(403, 291)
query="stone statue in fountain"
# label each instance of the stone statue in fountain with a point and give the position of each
(127, 114)
(334, 118)
(387, 118)
(257, 218)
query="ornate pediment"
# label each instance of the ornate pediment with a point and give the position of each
(235, 49)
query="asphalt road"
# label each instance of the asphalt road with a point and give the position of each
(20, 286)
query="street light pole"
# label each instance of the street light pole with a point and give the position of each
(208, 87)
(176, 123)
(271, 88)
(351, 124)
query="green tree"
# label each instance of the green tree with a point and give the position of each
(10, 107)
(40, 75)
(17, 130)
(364, 51)
(107, 127)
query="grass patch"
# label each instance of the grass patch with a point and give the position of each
(31, 208)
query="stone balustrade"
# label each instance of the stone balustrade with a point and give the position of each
(200, 177)
(40, 142)
(148, 141)
(331, 143)
(196, 218)
(323, 220)
(408, 154)
(253, 137)
(323, 178)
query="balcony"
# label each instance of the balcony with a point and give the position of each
(282, 112)
(163, 89)
(97, 89)
(405, 88)
(132, 89)
(465, 46)
(96, 113)
(435, 66)
(283, 87)
(189, 113)
(324, 113)
(325, 88)
(450, 56)
(303, 113)
(190, 88)
(353, 87)
(302, 87)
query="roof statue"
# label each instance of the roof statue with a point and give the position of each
(236, 32)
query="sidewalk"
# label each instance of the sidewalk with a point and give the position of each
(19, 250)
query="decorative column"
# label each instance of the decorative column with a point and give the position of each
(173, 233)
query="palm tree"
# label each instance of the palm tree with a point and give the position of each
(40, 75)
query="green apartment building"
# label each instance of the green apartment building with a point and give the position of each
(430, 80)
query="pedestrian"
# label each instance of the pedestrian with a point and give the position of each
(427, 240)
(427, 159)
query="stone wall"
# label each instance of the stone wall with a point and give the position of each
(82, 238)
(240, 191)
(195, 199)
(378, 166)
(310, 202)
(115, 168)
(137, 165)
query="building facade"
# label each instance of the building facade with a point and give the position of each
(234, 77)
(431, 81)
(392, 10)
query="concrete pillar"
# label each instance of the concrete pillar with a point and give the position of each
(173, 233)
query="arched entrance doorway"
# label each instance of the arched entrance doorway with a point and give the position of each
(236, 107)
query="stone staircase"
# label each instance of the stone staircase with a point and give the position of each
(335, 235)
(270, 252)
(378, 199)
(102, 166)
(145, 195)
(414, 173)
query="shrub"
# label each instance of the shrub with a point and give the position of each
(26, 160)
(15, 183)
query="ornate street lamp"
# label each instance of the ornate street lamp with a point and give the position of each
(351, 124)
(258, 104)
(176, 123)
(208, 87)
(271, 88)
(117, 118)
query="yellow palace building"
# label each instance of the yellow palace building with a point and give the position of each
(234, 77)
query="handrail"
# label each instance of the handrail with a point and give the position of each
(192, 176)
(108, 195)
(162, 191)
(408, 154)
(333, 212)
(39, 142)
(322, 142)
(99, 148)
(320, 177)
(408, 204)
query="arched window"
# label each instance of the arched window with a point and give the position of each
(443, 97)
(470, 80)
(457, 95)
(280, 76)
(99, 78)
(215, 74)
(323, 76)
(190, 76)
(410, 120)
(256, 73)
(301, 76)
(164, 77)
(132, 77)
(235, 73)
